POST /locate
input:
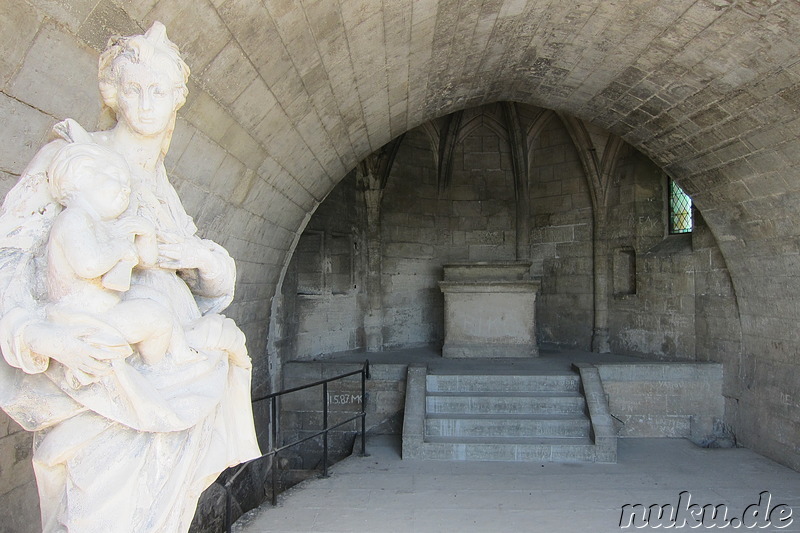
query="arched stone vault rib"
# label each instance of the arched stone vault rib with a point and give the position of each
(371, 176)
(594, 165)
(495, 124)
(448, 139)
(536, 126)
(519, 159)
(597, 169)
(433, 136)
(374, 170)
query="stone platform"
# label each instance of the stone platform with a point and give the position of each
(648, 398)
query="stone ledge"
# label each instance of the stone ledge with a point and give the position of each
(603, 430)
(490, 350)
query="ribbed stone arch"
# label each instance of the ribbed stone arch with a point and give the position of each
(287, 96)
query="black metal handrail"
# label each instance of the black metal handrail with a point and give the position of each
(273, 398)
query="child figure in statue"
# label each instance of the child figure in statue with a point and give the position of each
(92, 250)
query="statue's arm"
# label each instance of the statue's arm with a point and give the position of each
(87, 255)
(29, 342)
(207, 268)
(16, 351)
(218, 280)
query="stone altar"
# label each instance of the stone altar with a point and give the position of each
(489, 310)
(114, 349)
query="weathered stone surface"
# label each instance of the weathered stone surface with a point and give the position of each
(665, 399)
(25, 127)
(489, 310)
(19, 508)
(18, 26)
(55, 59)
(106, 19)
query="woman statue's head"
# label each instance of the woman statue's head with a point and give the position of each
(143, 80)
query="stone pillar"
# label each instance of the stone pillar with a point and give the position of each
(599, 153)
(373, 319)
(600, 335)
(371, 176)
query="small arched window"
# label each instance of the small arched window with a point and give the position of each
(680, 210)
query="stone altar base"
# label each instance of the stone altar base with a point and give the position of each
(489, 310)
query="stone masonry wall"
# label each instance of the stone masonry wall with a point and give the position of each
(665, 399)
(717, 322)
(561, 239)
(472, 219)
(302, 411)
(652, 294)
(327, 272)
(19, 500)
(413, 247)
(657, 316)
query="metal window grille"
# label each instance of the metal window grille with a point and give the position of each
(680, 210)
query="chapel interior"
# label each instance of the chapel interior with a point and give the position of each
(642, 156)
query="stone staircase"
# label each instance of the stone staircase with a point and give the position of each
(480, 417)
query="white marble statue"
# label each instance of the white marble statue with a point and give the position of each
(114, 350)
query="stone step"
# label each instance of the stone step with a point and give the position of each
(509, 403)
(477, 425)
(507, 441)
(562, 450)
(502, 383)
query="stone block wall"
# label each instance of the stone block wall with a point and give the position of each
(665, 399)
(19, 509)
(416, 242)
(561, 239)
(328, 323)
(302, 411)
(428, 220)
(656, 314)
(717, 322)
(323, 286)
(425, 226)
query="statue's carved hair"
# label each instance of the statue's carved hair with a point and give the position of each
(75, 162)
(153, 46)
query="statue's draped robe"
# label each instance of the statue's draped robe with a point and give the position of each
(133, 451)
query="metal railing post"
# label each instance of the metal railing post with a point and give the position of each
(228, 510)
(274, 428)
(275, 448)
(364, 372)
(325, 428)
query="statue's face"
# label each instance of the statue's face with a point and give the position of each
(108, 191)
(146, 98)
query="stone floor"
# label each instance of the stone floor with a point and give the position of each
(382, 493)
